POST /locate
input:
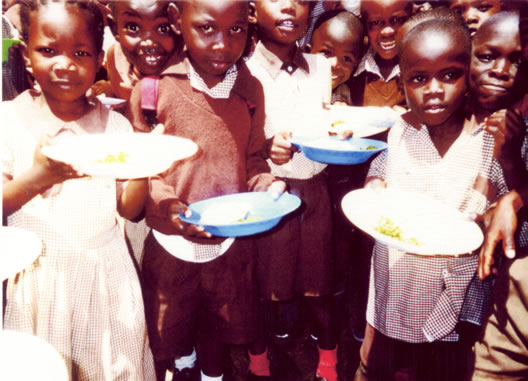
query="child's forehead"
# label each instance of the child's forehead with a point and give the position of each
(338, 31)
(217, 9)
(141, 8)
(384, 7)
(472, 3)
(498, 28)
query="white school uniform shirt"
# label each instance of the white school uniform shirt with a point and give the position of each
(294, 95)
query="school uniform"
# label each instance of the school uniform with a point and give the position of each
(371, 88)
(205, 283)
(416, 299)
(296, 256)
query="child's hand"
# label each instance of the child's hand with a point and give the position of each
(277, 188)
(281, 149)
(495, 124)
(178, 207)
(51, 172)
(500, 223)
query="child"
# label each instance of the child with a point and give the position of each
(296, 258)
(475, 12)
(144, 43)
(419, 307)
(82, 294)
(200, 288)
(338, 35)
(501, 353)
(375, 78)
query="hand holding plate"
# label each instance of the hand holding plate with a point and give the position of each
(190, 230)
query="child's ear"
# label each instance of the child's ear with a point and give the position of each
(27, 62)
(100, 59)
(112, 25)
(175, 18)
(252, 13)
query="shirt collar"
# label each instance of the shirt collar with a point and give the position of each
(368, 64)
(273, 64)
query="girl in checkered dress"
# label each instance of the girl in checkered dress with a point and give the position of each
(82, 294)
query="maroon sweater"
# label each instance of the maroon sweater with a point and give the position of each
(229, 134)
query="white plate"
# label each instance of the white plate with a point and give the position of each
(98, 154)
(45, 363)
(109, 101)
(437, 228)
(363, 121)
(20, 248)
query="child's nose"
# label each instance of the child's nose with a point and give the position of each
(287, 5)
(64, 63)
(501, 68)
(471, 16)
(333, 61)
(434, 87)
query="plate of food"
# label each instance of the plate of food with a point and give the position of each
(241, 214)
(109, 101)
(334, 150)
(20, 248)
(121, 156)
(412, 222)
(362, 121)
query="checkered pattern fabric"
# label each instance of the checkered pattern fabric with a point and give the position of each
(221, 91)
(523, 236)
(419, 299)
(368, 64)
(82, 294)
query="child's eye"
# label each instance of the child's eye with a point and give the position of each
(452, 75)
(485, 58)
(348, 59)
(484, 8)
(236, 30)
(164, 28)
(374, 24)
(418, 79)
(398, 20)
(46, 50)
(82, 53)
(326, 53)
(132, 27)
(206, 28)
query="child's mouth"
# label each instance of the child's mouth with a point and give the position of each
(152, 60)
(287, 25)
(434, 109)
(388, 45)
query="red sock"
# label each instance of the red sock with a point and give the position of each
(327, 364)
(259, 365)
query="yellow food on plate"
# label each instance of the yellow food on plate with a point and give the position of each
(121, 157)
(249, 219)
(387, 227)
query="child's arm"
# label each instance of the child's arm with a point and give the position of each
(41, 176)
(501, 222)
(281, 149)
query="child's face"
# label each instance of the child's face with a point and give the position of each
(61, 52)
(215, 34)
(434, 74)
(341, 45)
(475, 12)
(384, 19)
(143, 30)
(495, 62)
(282, 21)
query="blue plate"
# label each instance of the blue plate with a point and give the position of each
(263, 213)
(333, 150)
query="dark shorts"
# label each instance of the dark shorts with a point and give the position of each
(296, 257)
(215, 299)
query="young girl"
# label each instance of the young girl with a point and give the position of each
(82, 294)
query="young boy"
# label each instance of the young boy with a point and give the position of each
(376, 75)
(502, 354)
(296, 258)
(418, 306)
(198, 287)
(475, 12)
(338, 35)
(144, 43)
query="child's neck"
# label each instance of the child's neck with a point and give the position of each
(66, 111)
(385, 66)
(443, 136)
(284, 52)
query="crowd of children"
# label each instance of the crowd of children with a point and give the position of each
(159, 297)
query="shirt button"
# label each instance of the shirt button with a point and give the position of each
(445, 273)
(289, 68)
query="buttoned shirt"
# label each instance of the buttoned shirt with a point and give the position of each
(368, 63)
(294, 94)
(421, 299)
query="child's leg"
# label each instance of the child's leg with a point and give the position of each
(211, 353)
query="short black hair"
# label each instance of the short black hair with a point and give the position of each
(443, 25)
(492, 20)
(347, 17)
(94, 16)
